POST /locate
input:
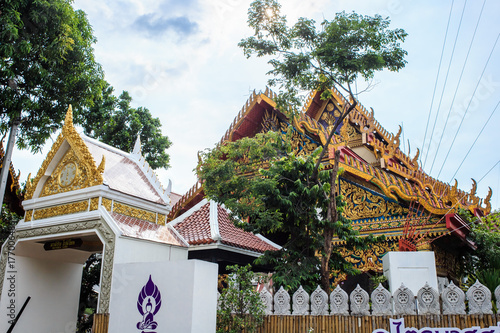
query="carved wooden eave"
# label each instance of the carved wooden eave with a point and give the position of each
(247, 121)
(192, 197)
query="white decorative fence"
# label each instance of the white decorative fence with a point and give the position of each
(403, 302)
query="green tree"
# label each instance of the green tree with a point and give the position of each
(113, 121)
(483, 263)
(7, 223)
(260, 181)
(46, 63)
(88, 297)
(304, 57)
(240, 306)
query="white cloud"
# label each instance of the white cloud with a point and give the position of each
(197, 82)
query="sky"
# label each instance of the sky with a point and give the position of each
(180, 59)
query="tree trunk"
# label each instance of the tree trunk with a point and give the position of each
(328, 232)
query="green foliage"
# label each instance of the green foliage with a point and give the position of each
(375, 280)
(260, 180)
(88, 298)
(485, 233)
(483, 264)
(305, 57)
(240, 305)
(113, 121)
(46, 63)
(7, 224)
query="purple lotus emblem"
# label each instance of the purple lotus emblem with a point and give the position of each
(148, 304)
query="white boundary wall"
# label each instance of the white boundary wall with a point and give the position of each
(188, 294)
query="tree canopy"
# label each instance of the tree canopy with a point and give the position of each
(113, 121)
(46, 63)
(305, 57)
(270, 191)
(292, 194)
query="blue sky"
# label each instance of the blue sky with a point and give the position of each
(180, 60)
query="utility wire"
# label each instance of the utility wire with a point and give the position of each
(477, 137)
(486, 174)
(456, 90)
(444, 84)
(468, 105)
(437, 77)
(479, 181)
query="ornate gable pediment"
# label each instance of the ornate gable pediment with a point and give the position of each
(68, 166)
(362, 203)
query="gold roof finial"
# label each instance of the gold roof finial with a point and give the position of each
(101, 166)
(68, 121)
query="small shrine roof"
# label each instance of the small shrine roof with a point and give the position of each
(209, 223)
(123, 173)
(136, 228)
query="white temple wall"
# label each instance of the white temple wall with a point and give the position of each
(54, 288)
(129, 250)
(188, 290)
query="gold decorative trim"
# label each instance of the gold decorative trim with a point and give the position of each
(106, 203)
(69, 133)
(370, 259)
(268, 96)
(94, 203)
(70, 208)
(162, 218)
(195, 190)
(361, 204)
(53, 184)
(137, 213)
(31, 185)
(27, 215)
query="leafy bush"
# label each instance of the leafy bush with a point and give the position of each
(240, 306)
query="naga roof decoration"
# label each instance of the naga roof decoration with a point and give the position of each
(398, 175)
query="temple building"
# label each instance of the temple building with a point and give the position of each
(386, 191)
(13, 195)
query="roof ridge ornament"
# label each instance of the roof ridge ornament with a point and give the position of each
(137, 146)
(68, 120)
(149, 172)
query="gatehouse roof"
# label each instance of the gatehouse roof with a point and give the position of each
(81, 177)
(208, 223)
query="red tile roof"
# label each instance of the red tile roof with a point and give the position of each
(234, 236)
(141, 229)
(196, 230)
